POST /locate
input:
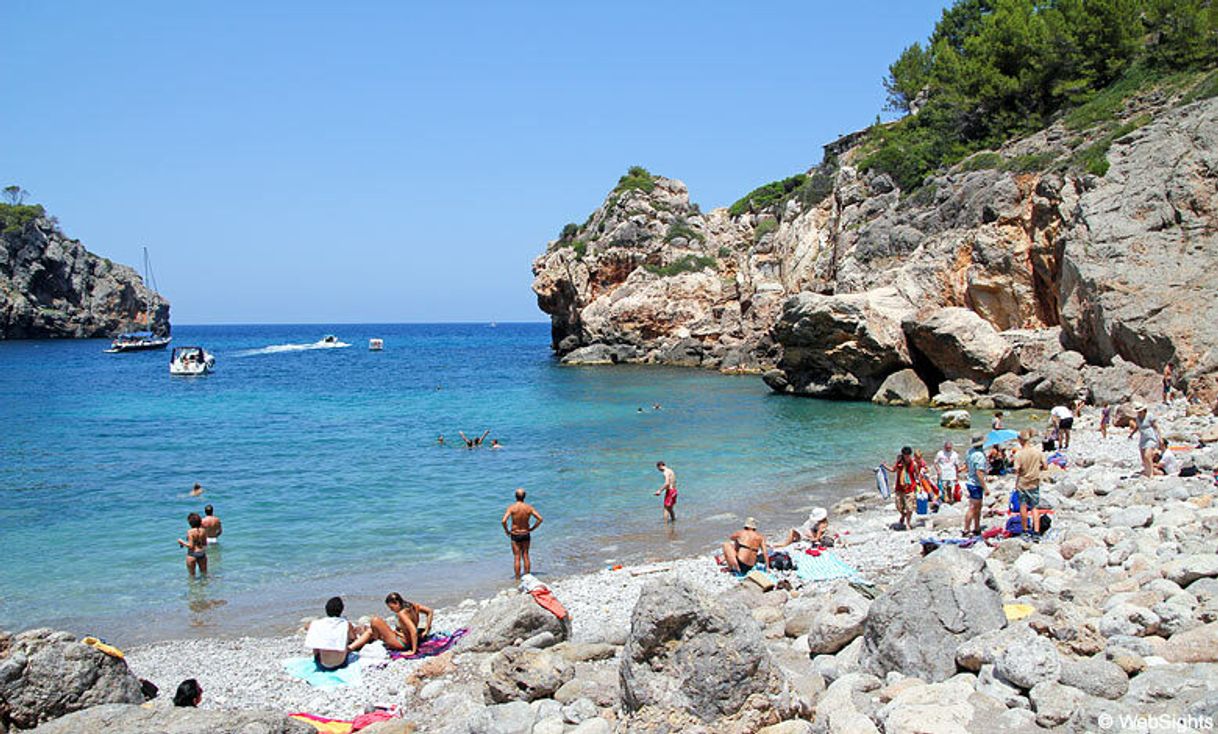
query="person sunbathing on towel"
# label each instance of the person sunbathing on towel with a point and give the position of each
(744, 548)
(815, 530)
(333, 638)
(407, 636)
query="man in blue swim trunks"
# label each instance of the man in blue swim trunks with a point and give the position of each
(976, 468)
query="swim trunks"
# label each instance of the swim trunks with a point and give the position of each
(905, 501)
(974, 491)
(1066, 423)
(1030, 498)
(670, 497)
(340, 666)
(520, 536)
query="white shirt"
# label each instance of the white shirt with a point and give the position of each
(947, 464)
(1062, 411)
(1171, 465)
(327, 633)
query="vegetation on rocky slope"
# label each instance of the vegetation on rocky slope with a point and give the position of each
(14, 217)
(997, 69)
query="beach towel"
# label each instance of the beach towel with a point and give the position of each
(306, 669)
(548, 602)
(327, 633)
(322, 724)
(823, 567)
(435, 644)
(101, 646)
(363, 721)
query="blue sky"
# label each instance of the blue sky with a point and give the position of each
(385, 162)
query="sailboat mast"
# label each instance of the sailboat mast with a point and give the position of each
(149, 278)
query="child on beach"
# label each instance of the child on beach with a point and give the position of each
(195, 545)
(1105, 419)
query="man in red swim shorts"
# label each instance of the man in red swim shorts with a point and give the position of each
(670, 492)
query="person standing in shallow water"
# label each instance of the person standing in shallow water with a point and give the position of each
(211, 525)
(669, 507)
(521, 514)
(195, 545)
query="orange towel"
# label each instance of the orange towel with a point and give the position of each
(549, 602)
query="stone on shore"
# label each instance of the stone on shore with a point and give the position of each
(509, 619)
(902, 388)
(955, 419)
(46, 674)
(837, 621)
(691, 653)
(915, 627)
(117, 718)
(526, 674)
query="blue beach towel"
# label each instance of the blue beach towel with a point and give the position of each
(824, 567)
(307, 670)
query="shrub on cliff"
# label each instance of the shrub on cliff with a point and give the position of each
(14, 217)
(637, 178)
(687, 264)
(763, 197)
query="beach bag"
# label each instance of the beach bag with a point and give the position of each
(923, 504)
(1014, 526)
(781, 562)
(763, 580)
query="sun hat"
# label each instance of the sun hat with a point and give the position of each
(978, 440)
(1138, 406)
(817, 515)
(750, 524)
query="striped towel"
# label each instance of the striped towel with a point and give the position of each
(824, 567)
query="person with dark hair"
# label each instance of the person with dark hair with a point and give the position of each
(211, 524)
(333, 638)
(195, 545)
(521, 514)
(189, 693)
(669, 506)
(905, 480)
(407, 635)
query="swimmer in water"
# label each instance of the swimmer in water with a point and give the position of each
(195, 545)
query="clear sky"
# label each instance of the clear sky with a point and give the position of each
(385, 162)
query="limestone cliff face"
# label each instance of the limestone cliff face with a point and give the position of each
(51, 286)
(979, 273)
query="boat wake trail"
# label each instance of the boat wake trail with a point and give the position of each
(283, 348)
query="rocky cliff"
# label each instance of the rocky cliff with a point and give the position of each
(51, 286)
(1016, 263)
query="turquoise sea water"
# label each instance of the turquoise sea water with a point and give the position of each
(324, 466)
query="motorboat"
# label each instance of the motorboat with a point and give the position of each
(191, 361)
(376, 345)
(329, 341)
(138, 341)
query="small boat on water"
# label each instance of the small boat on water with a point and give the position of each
(191, 361)
(329, 341)
(138, 341)
(376, 345)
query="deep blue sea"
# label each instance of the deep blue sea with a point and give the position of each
(324, 467)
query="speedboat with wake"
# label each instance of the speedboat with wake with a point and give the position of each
(191, 361)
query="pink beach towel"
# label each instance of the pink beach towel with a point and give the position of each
(435, 644)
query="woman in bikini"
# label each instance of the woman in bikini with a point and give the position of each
(408, 635)
(195, 545)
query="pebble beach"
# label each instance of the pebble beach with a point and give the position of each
(1096, 498)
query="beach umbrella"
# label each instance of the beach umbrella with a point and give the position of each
(1000, 436)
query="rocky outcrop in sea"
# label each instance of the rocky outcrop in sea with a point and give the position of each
(52, 287)
(1012, 279)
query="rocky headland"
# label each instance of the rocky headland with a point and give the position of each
(1017, 277)
(1109, 621)
(52, 287)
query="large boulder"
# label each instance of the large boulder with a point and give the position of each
(509, 619)
(1136, 262)
(131, 719)
(915, 627)
(45, 674)
(902, 388)
(693, 653)
(524, 674)
(837, 622)
(840, 346)
(960, 344)
(1057, 383)
(1122, 382)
